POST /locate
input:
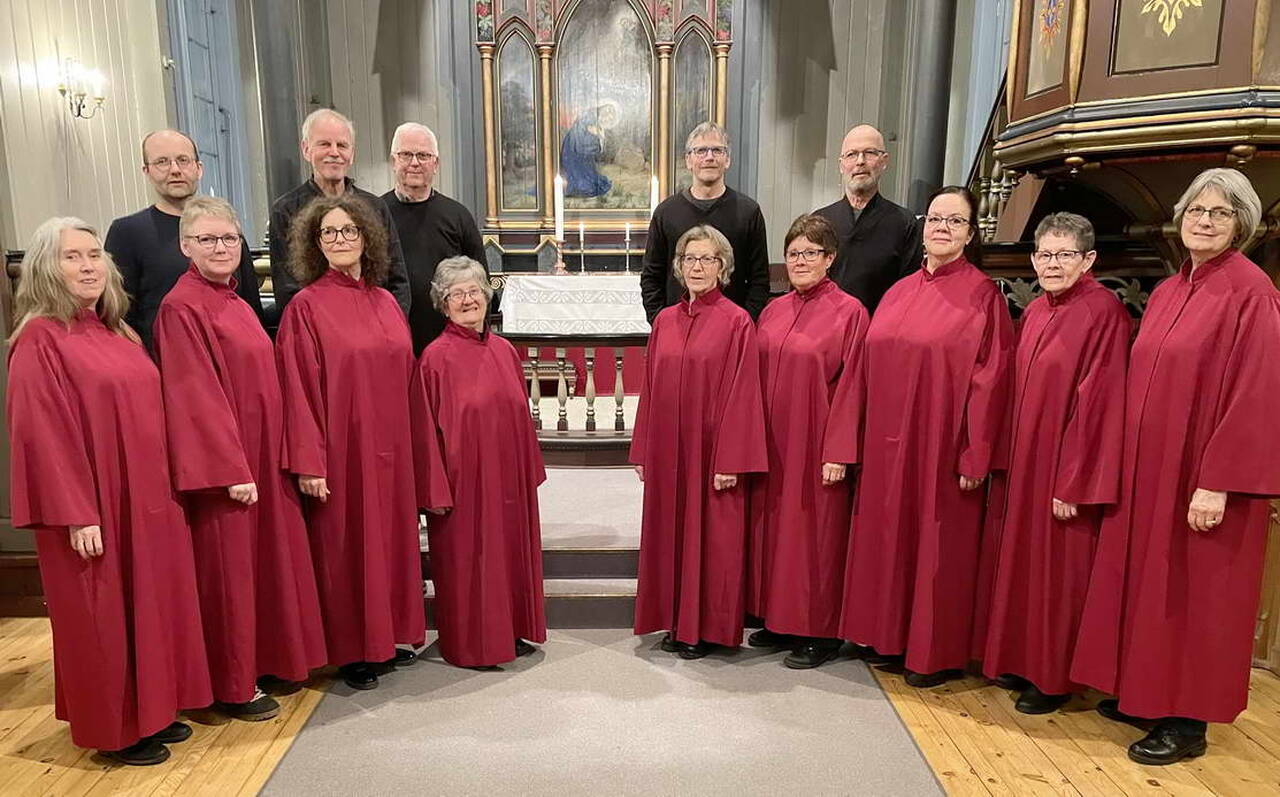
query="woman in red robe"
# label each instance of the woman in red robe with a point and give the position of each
(699, 427)
(225, 419)
(89, 475)
(937, 365)
(345, 361)
(478, 467)
(1169, 618)
(1064, 465)
(810, 352)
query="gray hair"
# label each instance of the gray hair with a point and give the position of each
(320, 113)
(1237, 189)
(199, 207)
(453, 270)
(413, 127)
(1071, 224)
(706, 130)
(705, 232)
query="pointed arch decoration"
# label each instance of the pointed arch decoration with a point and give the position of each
(519, 177)
(693, 96)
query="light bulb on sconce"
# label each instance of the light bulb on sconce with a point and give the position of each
(84, 89)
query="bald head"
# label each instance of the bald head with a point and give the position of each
(172, 164)
(863, 159)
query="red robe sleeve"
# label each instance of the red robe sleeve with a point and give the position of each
(1240, 456)
(740, 445)
(431, 475)
(205, 449)
(842, 442)
(302, 385)
(986, 407)
(52, 484)
(1090, 457)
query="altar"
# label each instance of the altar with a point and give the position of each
(574, 304)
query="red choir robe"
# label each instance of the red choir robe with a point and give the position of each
(87, 447)
(345, 361)
(225, 420)
(1066, 439)
(938, 365)
(476, 453)
(1169, 618)
(810, 352)
(700, 414)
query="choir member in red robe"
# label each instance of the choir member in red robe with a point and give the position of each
(1169, 617)
(1064, 465)
(938, 364)
(478, 467)
(90, 477)
(345, 361)
(810, 349)
(699, 427)
(225, 419)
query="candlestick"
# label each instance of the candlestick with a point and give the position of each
(559, 208)
(582, 246)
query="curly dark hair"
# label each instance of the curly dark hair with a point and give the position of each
(814, 227)
(307, 262)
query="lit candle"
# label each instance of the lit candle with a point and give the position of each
(99, 84)
(653, 194)
(582, 236)
(627, 234)
(559, 208)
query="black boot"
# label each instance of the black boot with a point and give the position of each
(359, 675)
(764, 638)
(1170, 741)
(143, 753)
(922, 680)
(1033, 701)
(668, 643)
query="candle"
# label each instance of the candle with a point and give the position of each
(582, 232)
(653, 194)
(627, 234)
(559, 208)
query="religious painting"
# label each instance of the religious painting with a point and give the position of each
(664, 21)
(605, 107)
(517, 128)
(1166, 34)
(1048, 48)
(484, 20)
(691, 100)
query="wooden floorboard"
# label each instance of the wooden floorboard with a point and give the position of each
(37, 757)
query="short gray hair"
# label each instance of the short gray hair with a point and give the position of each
(413, 127)
(199, 207)
(706, 130)
(1238, 191)
(1071, 224)
(705, 232)
(320, 113)
(453, 270)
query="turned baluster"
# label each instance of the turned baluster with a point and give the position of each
(535, 389)
(591, 390)
(619, 422)
(562, 392)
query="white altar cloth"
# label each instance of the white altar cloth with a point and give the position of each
(573, 304)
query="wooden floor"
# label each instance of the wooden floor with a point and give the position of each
(978, 744)
(37, 757)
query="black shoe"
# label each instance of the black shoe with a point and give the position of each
(698, 651)
(764, 638)
(1033, 701)
(175, 733)
(668, 644)
(928, 680)
(809, 656)
(359, 675)
(261, 707)
(873, 657)
(1167, 743)
(278, 687)
(1014, 683)
(524, 648)
(144, 753)
(1110, 708)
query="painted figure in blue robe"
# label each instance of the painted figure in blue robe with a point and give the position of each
(581, 152)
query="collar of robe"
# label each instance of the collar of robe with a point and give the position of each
(943, 270)
(461, 331)
(341, 277)
(230, 285)
(709, 298)
(822, 288)
(1062, 297)
(1207, 266)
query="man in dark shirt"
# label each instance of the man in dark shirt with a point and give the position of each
(145, 245)
(707, 201)
(879, 242)
(432, 226)
(328, 144)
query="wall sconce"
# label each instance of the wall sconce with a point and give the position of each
(78, 85)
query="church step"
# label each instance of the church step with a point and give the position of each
(590, 562)
(581, 602)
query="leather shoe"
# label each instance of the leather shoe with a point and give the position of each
(359, 675)
(668, 644)
(143, 753)
(261, 707)
(698, 651)
(175, 733)
(1167, 743)
(1014, 683)
(278, 687)
(922, 680)
(1110, 708)
(764, 638)
(1033, 701)
(809, 656)
(524, 648)
(872, 657)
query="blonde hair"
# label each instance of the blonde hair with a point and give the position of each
(42, 289)
(705, 232)
(1236, 189)
(199, 207)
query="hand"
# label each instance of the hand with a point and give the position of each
(244, 493)
(438, 510)
(640, 471)
(723, 481)
(832, 472)
(314, 486)
(1063, 510)
(86, 541)
(1207, 507)
(968, 483)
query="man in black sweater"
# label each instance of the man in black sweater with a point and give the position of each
(432, 226)
(707, 201)
(328, 144)
(879, 242)
(145, 245)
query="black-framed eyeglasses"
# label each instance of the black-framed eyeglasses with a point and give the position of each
(209, 242)
(1218, 215)
(951, 222)
(702, 152)
(864, 154)
(349, 232)
(410, 157)
(164, 162)
(1064, 257)
(707, 261)
(807, 255)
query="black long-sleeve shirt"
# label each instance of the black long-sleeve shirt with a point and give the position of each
(145, 248)
(283, 211)
(734, 214)
(430, 231)
(878, 247)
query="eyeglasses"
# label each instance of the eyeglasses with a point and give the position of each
(183, 161)
(707, 261)
(951, 222)
(409, 157)
(350, 232)
(807, 255)
(209, 242)
(702, 152)
(1218, 215)
(864, 154)
(458, 297)
(1064, 257)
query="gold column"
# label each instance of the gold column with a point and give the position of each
(548, 151)
(490, 147)
(722, 81)
(664, 117)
